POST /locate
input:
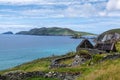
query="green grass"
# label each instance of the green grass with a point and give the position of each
(97, 57)
(107, 70)
(118, 46)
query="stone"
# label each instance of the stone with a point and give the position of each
(78, 60)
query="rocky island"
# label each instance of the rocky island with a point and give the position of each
(53, 31)
(9, 32)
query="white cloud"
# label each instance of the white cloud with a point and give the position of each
(113, 5)
(25, 2)
(83, 10)
(113, 8)
(20, 1)
(103, 13)
(74, 8)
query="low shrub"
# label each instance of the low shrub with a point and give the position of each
(84, 53)
(96, 58)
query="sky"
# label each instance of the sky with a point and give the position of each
(95, 16)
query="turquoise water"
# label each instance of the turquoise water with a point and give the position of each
(18, 49)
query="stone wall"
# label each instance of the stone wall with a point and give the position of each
(19, 75)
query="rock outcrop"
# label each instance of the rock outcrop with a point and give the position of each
(9, 32)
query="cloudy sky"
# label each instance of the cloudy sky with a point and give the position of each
(93, 16)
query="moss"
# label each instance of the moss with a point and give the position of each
(118, 46)
(84, 53)
(68, 61)
(97, 57)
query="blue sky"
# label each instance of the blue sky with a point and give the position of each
(94, 16)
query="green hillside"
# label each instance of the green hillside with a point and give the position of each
(54, 31)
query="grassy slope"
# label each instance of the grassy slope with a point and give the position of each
(107, 70)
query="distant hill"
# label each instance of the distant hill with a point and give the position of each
(9, 32)
(108, 32)
(54, 31)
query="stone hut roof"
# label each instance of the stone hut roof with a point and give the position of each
(85, 44)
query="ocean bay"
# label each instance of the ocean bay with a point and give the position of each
(18, 49)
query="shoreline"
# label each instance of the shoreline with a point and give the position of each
(41, 67)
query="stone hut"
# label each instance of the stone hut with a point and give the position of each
(85, 44)
(107, 43)
(106, 46)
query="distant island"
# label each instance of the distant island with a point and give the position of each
(54, 31)
(9, 32)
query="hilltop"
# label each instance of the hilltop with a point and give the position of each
(54, 31)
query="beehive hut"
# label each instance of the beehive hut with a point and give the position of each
(85, 44)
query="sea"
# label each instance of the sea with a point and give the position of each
(18, 49)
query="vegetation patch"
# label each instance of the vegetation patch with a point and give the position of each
(118, 46)
(84, 53)
(97, 57)
(107, 70)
